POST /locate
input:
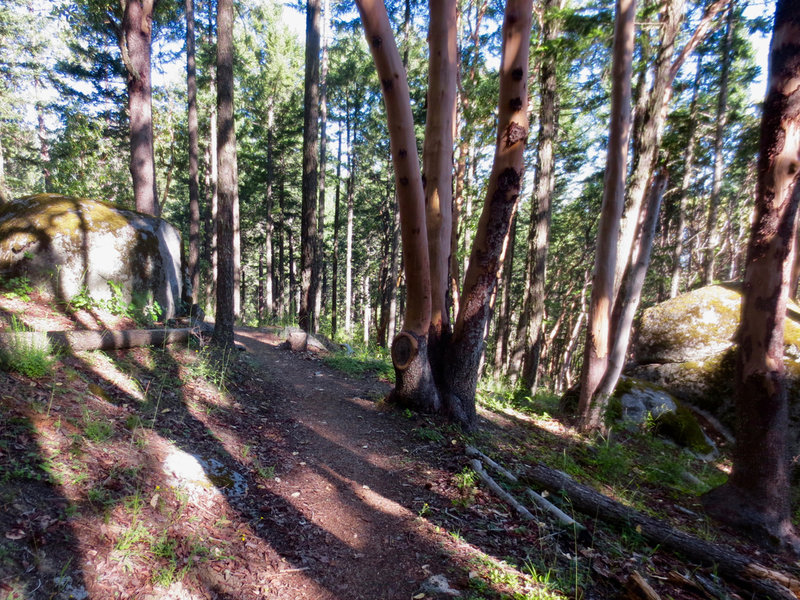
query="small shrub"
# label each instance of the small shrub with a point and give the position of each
(82, 300)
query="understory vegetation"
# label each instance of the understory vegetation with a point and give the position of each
(88, 427)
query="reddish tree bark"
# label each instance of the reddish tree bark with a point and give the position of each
(756, 497)
(458, 376)
(502, 194)
(590, 409)
(437, 164)
(415, 384)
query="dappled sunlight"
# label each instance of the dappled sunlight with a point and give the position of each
(104, 367)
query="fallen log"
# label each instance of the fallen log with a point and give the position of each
(542, 503)
(504, 495)
(767, 583)
(79, 339)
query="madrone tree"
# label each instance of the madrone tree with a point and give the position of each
(756, 498)
(436, 363)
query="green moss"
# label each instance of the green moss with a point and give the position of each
(682, 427)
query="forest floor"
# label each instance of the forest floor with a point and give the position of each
(177, 473)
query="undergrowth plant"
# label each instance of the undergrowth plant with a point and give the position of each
(18, 287)
(33, 357)
(360, 361)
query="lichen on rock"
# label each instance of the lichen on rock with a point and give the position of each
(687, 346)
(68, 245)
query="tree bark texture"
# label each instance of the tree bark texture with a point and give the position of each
(309, 272)
(633, 281)
(80, 340)
(348, 266)
(409, 349)
(591, 412)
(335, 257)
(647, 136)
(437, 163)
(227, 174)
(756, 497)
(529, 331)
(269, 225)
(137, 26)
(194, 151)
(503, 189)
(323, 160)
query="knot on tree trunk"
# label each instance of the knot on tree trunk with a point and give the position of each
(414, 383)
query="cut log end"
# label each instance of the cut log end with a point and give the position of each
(404, 349)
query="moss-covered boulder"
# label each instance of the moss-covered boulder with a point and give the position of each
(686, 345)
(643, 404)
(68, 246)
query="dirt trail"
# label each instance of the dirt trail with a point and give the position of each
(356, 480)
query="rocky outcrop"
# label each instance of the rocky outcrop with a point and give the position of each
(687, 346)
(67, 246)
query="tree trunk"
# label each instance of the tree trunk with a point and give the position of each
(529, 330)
(631, 292)
(365, 293)
(505, 183)
(82, 340)
(756, 497)
(323, 160)
(394, 270)
(712, 231)
(794, 281)
(414, 381)
(463, 152)
(309, 276)
(194, 151)
(688, 176)
(44, 148)
(269, 226)
(437, 167)
(335, 258)
(4, 195)
(351, 184)
(135, 39)
(763, 582)
(648, 135)
(591, 409)
(503, 323)
(228, 181)
(281, 294)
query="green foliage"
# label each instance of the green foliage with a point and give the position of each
(361, 365)
(18, 287)
(26, 355)
(97, 430)
(212, 365)
(426, 434)
(612, 461)
(82, 300)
